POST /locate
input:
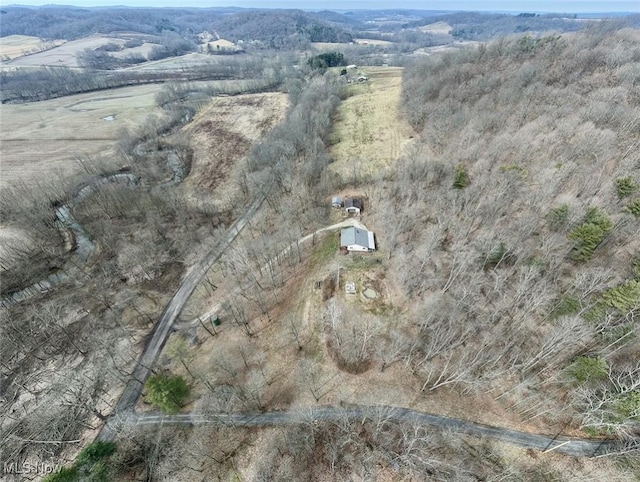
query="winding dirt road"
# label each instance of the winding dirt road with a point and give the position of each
(569, 446)
(162, 328)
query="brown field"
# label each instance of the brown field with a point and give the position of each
(221, 45)
(437, 28)
(327, 46)
(447, 48)
(45, 138)
(66, 54)
(369, 128)
(13, 46)
(143, 50)
(223, 132)
(173, 63)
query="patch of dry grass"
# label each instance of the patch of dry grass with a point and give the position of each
(327, 46)
(437, 28)
(369, 41)
(222, 133)
(66, 53)
(369, 127)
(44, 138)
(13, 46)
(176, 63)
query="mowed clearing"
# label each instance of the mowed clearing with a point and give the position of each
(45, 138)
(369, 41)
(369, 128)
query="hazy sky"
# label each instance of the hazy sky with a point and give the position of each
(570, 6)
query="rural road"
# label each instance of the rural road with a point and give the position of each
(569, 446)
(124, 411)
(162, 328)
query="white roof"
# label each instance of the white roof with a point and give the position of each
(356, 236)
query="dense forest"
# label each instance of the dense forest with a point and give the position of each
(279, 26)
(58, 22)
(526, 263)
(69, 23)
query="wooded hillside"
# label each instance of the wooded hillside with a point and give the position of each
(58, 22)
(517, 225)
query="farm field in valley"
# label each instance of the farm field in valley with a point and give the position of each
(46, 138)
(66, 54)
(437, 28)
(171, 64)
(13, 46)
(368, 41)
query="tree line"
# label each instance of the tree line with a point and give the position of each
(29, 85)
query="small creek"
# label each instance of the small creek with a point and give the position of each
(82, 244)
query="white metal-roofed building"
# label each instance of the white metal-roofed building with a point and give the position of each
(356, 239)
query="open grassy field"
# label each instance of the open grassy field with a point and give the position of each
(222, 133)
(369, 128)
(174, 63)
(66, 53)
(43, 138)
(13, 46)
(143, 50)
(328, 46)
(369, 41)
(39, 139)
(437, 28)
(447, 48)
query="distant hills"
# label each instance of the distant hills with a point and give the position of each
(273, 27)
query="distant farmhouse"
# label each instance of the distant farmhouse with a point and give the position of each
(220, 46)
(356, 239)
(351, 74)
